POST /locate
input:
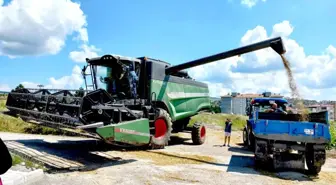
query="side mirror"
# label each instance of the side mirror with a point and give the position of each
(5, 158)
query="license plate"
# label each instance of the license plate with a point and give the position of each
(309, 131)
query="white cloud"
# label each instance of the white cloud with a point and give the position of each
(73, 81)
(85, 52)
(217, 88)
(250, 3)
(35, 27)
(263, 70)
(331, 50)
(34, 85)
(4, 87)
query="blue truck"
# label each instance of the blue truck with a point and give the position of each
(284, 139)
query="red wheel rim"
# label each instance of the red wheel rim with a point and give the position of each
(203, 131)
(160, 128)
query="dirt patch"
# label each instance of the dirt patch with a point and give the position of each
(294, 90)
(331, 154)
(163, 158)
(176, 177)
(329, 177)
(175, 166)
(235, 139)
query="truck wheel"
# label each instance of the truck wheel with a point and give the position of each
(162, 129)
(260, 153)
(245, 137)
(198, 133)
(250, 140)
(314, 160)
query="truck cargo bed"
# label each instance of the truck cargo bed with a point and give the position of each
(289, 128)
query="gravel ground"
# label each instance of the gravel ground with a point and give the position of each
(179, 163)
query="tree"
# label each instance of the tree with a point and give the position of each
(20, 86)
(80, 92)
(215, 107)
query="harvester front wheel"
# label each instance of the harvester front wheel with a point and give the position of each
(162, 129)
(198, 133)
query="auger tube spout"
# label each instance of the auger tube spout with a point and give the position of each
(275, 43)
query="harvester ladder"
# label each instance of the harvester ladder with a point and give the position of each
(153, 104)
(92, 74)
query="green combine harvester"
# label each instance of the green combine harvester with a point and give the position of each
(136, 102)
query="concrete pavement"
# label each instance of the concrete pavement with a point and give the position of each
(13, 177)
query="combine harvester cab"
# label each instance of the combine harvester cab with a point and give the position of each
(286, 140)
(128, 101)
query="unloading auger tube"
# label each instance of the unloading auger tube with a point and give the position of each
(275, 43)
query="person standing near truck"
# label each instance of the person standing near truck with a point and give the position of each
(227, 132)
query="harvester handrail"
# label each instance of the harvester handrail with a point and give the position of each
(36, 89)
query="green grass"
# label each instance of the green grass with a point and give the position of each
(2, 104)
(238, 121)
(16, 160)
(332, 143)
(17, 125)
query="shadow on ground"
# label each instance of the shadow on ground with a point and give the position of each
(241, 150)
(176, 140)
(245, 165)
(85, 152)
(89, 153)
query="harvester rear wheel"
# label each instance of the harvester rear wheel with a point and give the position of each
(198, 133)
(162, 131)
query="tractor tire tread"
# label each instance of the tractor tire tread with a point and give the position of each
(196, 134)
(161, 113)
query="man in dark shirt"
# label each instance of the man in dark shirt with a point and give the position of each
(133, 79)
(274, 108)
(227, 132)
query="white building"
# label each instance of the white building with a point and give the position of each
(328, 107)
(235, 103)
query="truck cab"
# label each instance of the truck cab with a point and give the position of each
(264, 104)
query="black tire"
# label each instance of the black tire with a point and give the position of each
(259, 162)
(198, 133)
(245, 137)
(159, 142)
(251, 142)
(314, 165)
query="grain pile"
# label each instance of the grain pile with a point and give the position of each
(298, 102)
(163, 158)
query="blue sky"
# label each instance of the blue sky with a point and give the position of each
(174, 31)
